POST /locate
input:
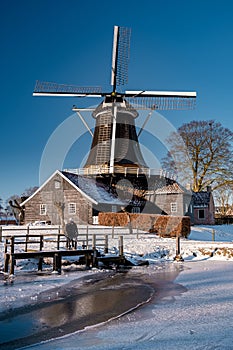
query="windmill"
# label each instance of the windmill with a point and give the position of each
(115, 145)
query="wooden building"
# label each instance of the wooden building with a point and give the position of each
(67, 196)
(173, 199)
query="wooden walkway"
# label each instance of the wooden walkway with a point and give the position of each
(91, 255)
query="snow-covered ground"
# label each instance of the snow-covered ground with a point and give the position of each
(197, 314)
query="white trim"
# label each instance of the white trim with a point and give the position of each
(72, 208)
(43, 209)
(64, 94)
(163, 93)
(114, 49)
(173, 207)
(58, 172)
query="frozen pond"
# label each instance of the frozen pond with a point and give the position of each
(74, 308)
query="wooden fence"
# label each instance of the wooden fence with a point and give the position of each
(84, 231)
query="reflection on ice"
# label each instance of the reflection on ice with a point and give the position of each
(93, 304)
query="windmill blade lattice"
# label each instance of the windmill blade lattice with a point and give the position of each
(162, 103)
(47, 88)
(120, 56)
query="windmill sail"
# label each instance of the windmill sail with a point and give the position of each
(120, 56)
(115, 142)
(44, 88)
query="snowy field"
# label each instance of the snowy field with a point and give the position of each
(197, 313)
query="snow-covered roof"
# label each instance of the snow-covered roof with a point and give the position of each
(94, 189)
(172, 188)
(96, 192)
(201, 198)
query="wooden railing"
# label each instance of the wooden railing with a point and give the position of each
(88, 250)
(98, 169)
(84, 231)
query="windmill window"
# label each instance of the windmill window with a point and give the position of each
(173, 207)
(72, 208)
(43, 209)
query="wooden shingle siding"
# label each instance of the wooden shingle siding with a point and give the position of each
(51, 196)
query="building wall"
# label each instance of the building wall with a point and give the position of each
(57, 201)
(209, 212)
(164, 201)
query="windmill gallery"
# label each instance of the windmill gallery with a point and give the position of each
(115, 184)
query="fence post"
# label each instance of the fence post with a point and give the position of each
(121, 246)
(87, 237)
(58, 241)
(12, 244)
(26, 242)
(57, 263)
(213, 235)
(106, 244)
(6, 263)
(0, 233)
(178, 256)
(94, 241)
(41, 242)
(6, 244)
(94, 257)
(12, 268)
(113, 231)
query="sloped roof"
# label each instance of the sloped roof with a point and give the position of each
(173, 188)
(97, 191)
(201, 198)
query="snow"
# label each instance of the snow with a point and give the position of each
(196, 312)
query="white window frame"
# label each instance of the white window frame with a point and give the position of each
(114, 209)
(43, 209)
(174, 207)
(57, 184)
(72, 208)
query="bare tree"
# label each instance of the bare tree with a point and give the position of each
(29, 191)
(14, 203)
(223, 199)
(204, 158)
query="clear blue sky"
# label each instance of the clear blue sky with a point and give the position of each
(175, 45)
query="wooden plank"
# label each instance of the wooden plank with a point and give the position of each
(51, 253)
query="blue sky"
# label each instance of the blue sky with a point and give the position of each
(175, 45)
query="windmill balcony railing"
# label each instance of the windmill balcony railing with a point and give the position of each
(98, 170)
